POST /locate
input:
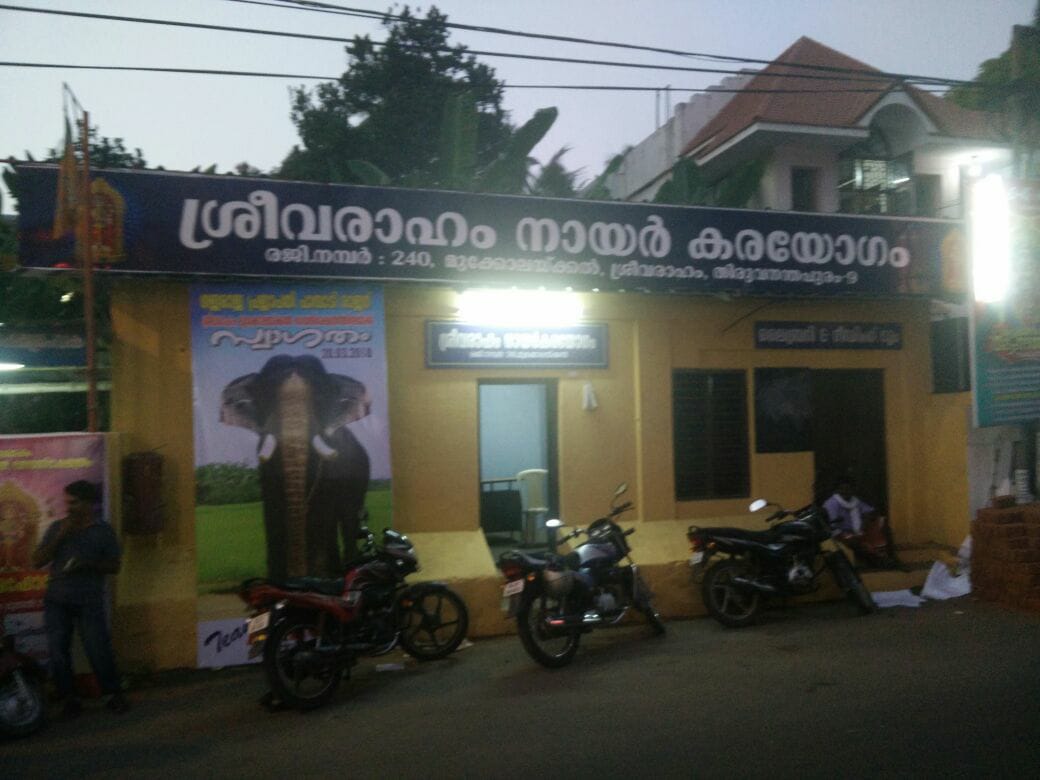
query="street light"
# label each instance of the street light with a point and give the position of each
(991, 239)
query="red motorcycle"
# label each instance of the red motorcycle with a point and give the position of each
(22, 708)
(311, 631)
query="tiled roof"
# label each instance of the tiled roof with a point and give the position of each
(821, 105)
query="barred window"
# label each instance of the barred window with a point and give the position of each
(709, 412)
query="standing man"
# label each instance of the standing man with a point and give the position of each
(81, 550)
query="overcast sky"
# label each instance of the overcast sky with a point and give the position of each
(180, 121)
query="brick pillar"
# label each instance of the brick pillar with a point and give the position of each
(1005, 556)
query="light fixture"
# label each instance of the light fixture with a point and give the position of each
(523, 308)
(11, 366)
(67, 297)
(990, 239)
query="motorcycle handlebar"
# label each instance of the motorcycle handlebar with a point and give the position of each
(781, 513)
(630, 531)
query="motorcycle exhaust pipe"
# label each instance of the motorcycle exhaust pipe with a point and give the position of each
(744, 582)
(575, 621)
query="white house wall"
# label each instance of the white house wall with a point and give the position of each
(647, 163)
(946, 164)
(775, 190)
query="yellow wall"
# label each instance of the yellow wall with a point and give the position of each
(434, 437)
(151, 408)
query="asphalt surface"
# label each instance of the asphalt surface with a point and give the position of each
(951, 689)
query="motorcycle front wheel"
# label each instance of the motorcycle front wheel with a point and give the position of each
(850, 582)
(731, 605)
(433, 624)
(549, 647)
(298, 673)
(22, 708)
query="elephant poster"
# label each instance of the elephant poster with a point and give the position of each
(292, 447)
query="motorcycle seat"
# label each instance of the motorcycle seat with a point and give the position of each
(764, 537)
(527, 560)
(327, 587)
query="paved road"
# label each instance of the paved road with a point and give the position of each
(948, 690)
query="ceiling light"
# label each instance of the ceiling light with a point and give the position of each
(523, 308)
(11, 366)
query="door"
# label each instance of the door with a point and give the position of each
(849, 431)
(517, 429)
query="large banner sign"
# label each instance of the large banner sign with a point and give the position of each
(192, 224)
(1007, 334)
(292, 448)
(34, 471)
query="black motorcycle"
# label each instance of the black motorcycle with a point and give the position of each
(759, 565)
(22, 708)
(557, 598)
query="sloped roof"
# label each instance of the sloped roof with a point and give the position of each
(826, 102)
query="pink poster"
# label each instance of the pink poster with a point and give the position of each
(34, 471)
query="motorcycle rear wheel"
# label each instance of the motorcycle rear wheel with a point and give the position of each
(551, 648)
(732, 606)
(434, 624)
(850, 582)
(22, 708)
(291, 681)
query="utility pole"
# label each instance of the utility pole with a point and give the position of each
(1025, 98)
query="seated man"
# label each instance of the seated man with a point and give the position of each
(858, 525)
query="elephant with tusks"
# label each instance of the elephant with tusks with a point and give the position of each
(313, 471)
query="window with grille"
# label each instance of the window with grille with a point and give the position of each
(709, 412)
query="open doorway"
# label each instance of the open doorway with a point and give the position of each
(517, 430)
(848, 413)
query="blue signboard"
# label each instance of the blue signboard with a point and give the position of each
(37, 349)
(828, 335)
(1007, 333)
(458, 345)
(158, 222)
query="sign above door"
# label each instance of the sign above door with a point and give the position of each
(461, 345)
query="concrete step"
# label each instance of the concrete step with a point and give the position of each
(913, 554)
(916, 561)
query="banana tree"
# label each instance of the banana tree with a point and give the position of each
(689, 187)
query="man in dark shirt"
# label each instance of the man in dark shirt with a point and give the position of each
(81, 551)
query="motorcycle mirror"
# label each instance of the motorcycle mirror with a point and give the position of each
(622, 488)
(759, 503)
(553, 523)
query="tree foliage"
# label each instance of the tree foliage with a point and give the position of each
(1012, 89)
(553, 180)
(391, 106)
(992, 85)
(688, 186)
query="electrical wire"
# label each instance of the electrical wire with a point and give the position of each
(331, 8)
(505, 85)
(873, 77)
